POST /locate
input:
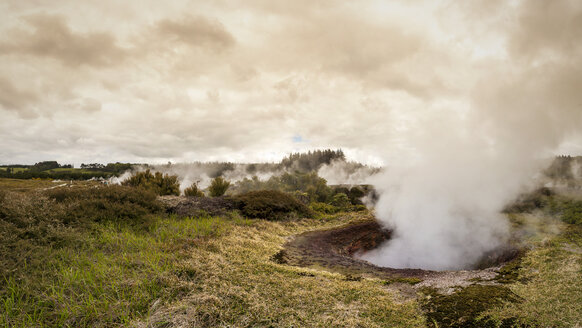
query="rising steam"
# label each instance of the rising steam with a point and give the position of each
(444, 200)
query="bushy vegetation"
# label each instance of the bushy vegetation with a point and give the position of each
(158, 183)
(84, 258)
(311, 184)
(109, 257)
(218, 187)
(323, 208)
(546, 201)
(270, 205)
(193, 191)
(192, 271)
(569, 210)
(107, 203)
(312, 160)
(340, 200)
(54, 170)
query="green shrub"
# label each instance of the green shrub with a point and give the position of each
(323, 208)
(358, 208)
(158, 183)
(340, 200)
(218, 187)
(270, 205)
(572, 212)
(303, 197)
(193, 191)
(111, 203)
(355, 195)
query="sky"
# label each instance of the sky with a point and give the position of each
(246, 81)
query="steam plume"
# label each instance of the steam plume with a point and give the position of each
(467, 161)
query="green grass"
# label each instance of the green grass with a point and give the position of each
(25, 185)
(109, 276)
(204, 271)
(83, 257)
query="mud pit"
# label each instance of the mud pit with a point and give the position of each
(333, 250)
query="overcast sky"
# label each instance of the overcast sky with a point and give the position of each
(157, 81)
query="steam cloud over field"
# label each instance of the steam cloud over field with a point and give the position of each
(444, 200)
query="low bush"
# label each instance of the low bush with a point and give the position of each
(529, 202)
(323, 208)
(218, 187)
(111, 203)
(193, 191)
(340, 200)
(270, 205)
(158, 183)
(356, 194)
(572, 212)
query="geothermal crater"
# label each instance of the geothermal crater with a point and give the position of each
(336, 250)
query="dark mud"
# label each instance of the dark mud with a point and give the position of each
(334, 249)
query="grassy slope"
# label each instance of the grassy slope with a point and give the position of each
(216, 271)
(24, 185)
(233, 282)
(205, 271)
(550, 285)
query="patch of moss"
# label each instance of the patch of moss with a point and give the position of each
(462, 309)
(509, 273)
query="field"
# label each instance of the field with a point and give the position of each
(110, 257)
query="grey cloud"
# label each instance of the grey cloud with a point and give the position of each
(551, 28)
(49, 36)
(16, 99)
(196, 31)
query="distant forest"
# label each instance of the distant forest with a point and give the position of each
(564, 168)
(296, 162)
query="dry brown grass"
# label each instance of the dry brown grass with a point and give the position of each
(233, 283)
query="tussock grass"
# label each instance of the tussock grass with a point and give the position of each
(109, 278)
(551, 288)
(234, 283)
(111, 271)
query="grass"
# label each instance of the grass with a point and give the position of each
(193, 271)
(130, 265)
(25, 185)
(108, 277)
(234, 282)
(552, 288)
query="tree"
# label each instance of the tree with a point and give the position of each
(218, 186)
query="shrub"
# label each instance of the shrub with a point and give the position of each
(158, 183)
(193, 191)
(323, 208)
(270, 205)
(572, 212)
(111, 203)
(303, 197)
(359, 208)
(356, 194)
(340, 200)
(218, 187)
